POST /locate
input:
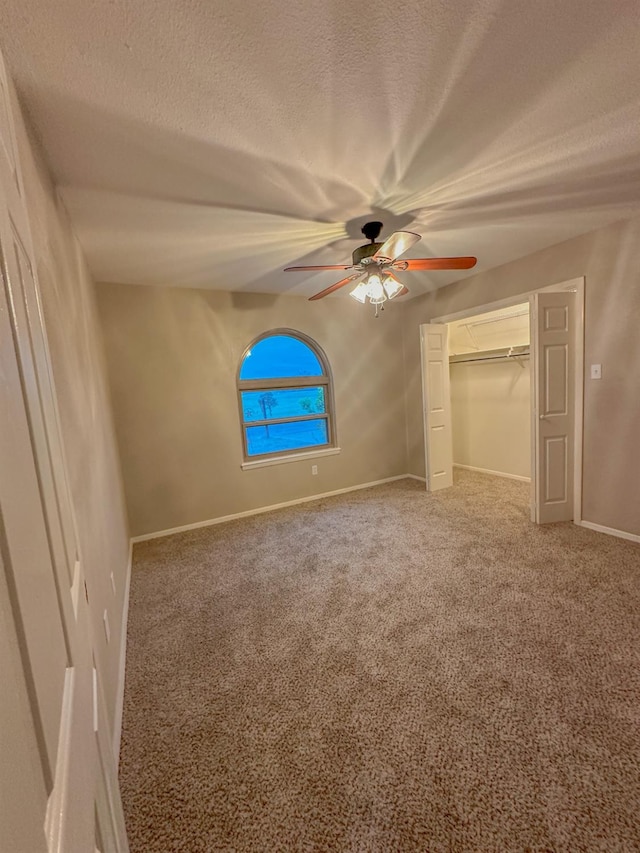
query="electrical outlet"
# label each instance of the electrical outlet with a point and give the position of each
(314, 469)
(596, 371)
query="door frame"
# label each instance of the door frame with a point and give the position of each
(577, 286)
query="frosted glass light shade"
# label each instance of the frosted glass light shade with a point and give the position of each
(392, 286)
(377, 287)
(359, 292)
(375, 290)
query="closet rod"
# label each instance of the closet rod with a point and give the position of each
(507, 356)
(491, 358)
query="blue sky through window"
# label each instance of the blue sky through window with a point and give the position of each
(275, 438)
(282, 403)
(280, 355)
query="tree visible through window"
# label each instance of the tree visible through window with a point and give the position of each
(284, 396)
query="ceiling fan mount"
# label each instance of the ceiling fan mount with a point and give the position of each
(374, 263)
(371, 230)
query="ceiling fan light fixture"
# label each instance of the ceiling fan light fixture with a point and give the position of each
(392, 286)
(375, 289)
(359, 292)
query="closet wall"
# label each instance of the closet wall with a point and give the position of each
(490, 400)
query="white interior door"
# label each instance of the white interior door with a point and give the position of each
(49, 764)
(553, 328)
(39, 560)
(436, 400)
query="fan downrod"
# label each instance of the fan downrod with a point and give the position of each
(371, 230)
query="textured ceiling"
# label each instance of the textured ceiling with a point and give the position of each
(211, 144)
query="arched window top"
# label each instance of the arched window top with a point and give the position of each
(280, 355)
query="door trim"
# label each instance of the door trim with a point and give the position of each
(577, 285)
(117, 722)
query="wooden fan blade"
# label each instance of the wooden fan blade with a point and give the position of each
(397, 244)
(336, 286)
(333, 267)
(440, 263)
(404, 291)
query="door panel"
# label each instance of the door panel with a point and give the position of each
(436, 406)
(556, 390)
(553, 330)
(31, 344)
(59, 491)
(30, 574)
(556, 469)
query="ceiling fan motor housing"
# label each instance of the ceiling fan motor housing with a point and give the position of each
(364, 252)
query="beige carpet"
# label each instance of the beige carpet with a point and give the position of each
(385, 671)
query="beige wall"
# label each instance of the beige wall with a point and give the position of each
(610, 261)
(173, 356)
(491, 416)
(79, 374)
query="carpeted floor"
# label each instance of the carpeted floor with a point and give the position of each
(385, 671)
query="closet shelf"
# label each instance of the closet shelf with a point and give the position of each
(502, 354)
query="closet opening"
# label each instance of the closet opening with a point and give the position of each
(490, 382)
(502, 395)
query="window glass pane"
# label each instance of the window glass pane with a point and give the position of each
(283, 403)
(280, 355)
(274, 438)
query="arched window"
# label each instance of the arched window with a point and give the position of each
(285, 394)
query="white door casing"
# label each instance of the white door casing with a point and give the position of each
(436, 400)
(552, 328)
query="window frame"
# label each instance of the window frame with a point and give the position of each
(282, 383)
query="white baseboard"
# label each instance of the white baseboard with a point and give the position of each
(416, 477)
(259, 510)
(610, 531)
(493, 473)
(117, 721)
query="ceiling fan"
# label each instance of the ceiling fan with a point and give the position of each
(374, 263)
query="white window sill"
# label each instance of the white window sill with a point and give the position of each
(290, 457)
